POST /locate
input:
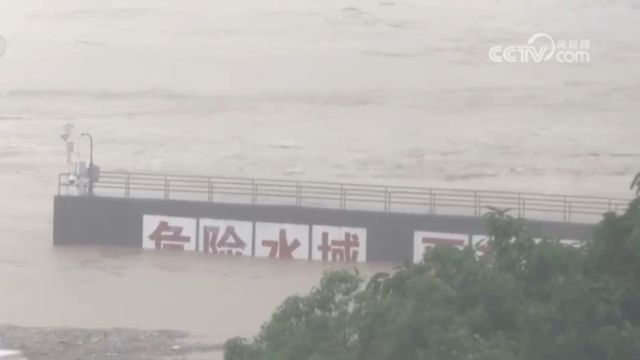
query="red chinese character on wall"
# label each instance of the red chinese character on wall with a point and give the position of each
(281, 248)
(282, 240)
(346, 250)
(426, 241)
(227, 243)
(167, 237)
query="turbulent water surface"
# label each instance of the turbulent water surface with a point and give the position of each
(397, 92)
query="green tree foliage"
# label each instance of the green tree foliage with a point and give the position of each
(525, 300)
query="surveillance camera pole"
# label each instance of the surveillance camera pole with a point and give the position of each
(90, 162)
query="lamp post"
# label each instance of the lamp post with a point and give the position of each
(90, 162)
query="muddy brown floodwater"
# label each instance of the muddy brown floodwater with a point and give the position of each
(102, 288)
(392, 92)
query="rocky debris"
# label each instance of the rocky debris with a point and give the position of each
(103, 344)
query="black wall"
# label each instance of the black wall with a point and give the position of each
(118, 222)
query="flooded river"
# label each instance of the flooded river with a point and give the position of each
(395, 92)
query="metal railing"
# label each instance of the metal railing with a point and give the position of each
(348, 196)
